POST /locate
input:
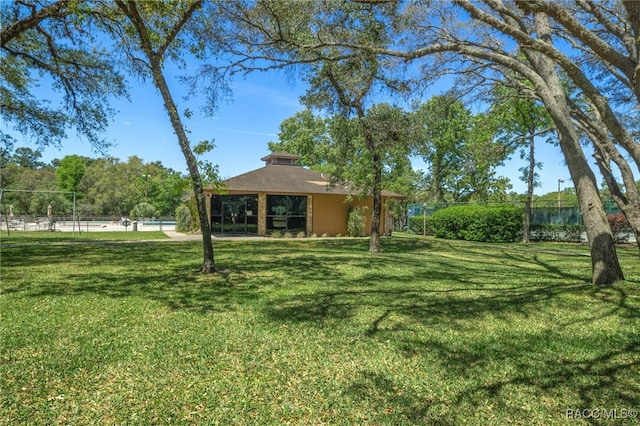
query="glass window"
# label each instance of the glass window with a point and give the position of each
(287, 213)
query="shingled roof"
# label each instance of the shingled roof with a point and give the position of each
(289, 179)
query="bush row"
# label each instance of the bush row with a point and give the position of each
(496, 224)
(503, 224)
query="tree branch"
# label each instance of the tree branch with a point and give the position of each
(12, 31)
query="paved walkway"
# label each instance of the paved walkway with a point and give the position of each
(179, 236)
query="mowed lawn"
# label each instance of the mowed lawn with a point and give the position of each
(316, 331)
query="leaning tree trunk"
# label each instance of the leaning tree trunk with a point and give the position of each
(628, 200)
(208, 264)
(155, 60)
(605, 266)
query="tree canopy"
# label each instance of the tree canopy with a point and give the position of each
(56, 46)
(104, 187)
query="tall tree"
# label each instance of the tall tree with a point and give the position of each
(154, 35)
(308, 136)
(604, 261)
(318, 142)
(70, 172)
(104, 187)
(520, 120)
(458, 149)
(534, 34)
(28, 158)
(347, 85)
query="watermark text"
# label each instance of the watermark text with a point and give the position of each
(601, 413)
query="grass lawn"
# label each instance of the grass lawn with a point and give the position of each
(316, 332)
(31, 237)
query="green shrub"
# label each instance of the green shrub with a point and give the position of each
(195, 218)
(183, 219)
(555, 232)
(144, 210)
(620, 227)
(496, 224)
(356, 222)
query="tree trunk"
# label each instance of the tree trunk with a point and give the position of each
(605, 266)
(628, 200)
(208, 264)
(155, 60)
(530, 182)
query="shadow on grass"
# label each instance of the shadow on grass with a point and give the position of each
(536, 350)
(533, 392)
(164, 272)
(159, 272)
(523, 372)
(422, 300)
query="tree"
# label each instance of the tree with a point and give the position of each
(104, 186)
(43, 39)
(520, 119)
(333, 146)
(474, 51)
(153, 37)
(70, 172)
(308, 136)
(46, 43)
(26, 179)
(27, 158)
(163, 187)
(346, 86)
(113, 188)
(605, 265)
(458, 149)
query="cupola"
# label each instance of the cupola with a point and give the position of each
(280, 159)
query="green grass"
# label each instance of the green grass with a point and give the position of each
(315, 332)
(31, 237)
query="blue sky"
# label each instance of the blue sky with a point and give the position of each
(241, 130)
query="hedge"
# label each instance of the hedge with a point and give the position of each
(496, 224)
(555, 232)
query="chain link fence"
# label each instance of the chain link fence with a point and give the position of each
(542, 213)
(84, 224)
(549, 221)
